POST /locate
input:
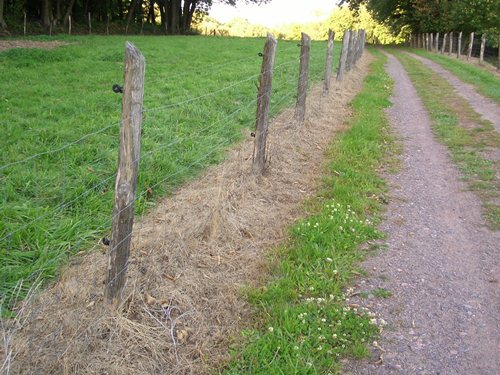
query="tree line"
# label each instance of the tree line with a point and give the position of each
(427, 16)
(174, 16)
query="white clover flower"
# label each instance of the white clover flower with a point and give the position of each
(270, 329)
(323, 320)
(334, 336)
(335, 272)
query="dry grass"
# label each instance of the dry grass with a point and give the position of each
(9, 44)
(190, 258)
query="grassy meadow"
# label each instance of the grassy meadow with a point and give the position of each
(60, 125)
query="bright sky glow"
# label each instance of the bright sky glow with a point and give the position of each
(275, 13)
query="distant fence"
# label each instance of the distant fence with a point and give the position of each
(466, 46)
(126, 196)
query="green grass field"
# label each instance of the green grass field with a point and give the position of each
(60, 125)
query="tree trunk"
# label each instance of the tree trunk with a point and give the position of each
(188, 18)
(3, 25)
(46, 13)
(163, 16)
(68, 12)
(130, 15)
(152, 17)
(176, 10)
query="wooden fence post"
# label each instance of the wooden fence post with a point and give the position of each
(263, 101)
(126, 178)
(431, 43)
(483, 44)
(69, 25)
(471, 44)
(459, 46)
(443, 47)
(451, 44)
(107, 24)
(343, 55)
(300, 106)
(90, 25)
(24, 24)
(436, 48)
(329, 60)
(350, 50)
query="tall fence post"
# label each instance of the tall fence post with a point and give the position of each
(69, 25)
(90, 25)
(431, 43)
(343, 55)
(471, 44)
(126, 177)
(443, 47)
(459, 46)
(329, 60)
(483, 44)
(451, 44)
(300, 106)
(263, 102)
(436, 48)
(107, 24)
(350, 50)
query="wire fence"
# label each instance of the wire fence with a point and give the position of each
(58, 201)
(474, 47)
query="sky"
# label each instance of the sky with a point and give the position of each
(276, 12)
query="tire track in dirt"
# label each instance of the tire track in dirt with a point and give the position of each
(486, 107)
(442, 263)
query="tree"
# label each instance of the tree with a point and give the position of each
(3, 25)
(434, 15)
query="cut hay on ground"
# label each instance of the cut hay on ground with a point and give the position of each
(190, 258)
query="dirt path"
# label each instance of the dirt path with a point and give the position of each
(482, 105)
(442, 264)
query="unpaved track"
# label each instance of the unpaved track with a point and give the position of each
(486, 107)
(442, 263)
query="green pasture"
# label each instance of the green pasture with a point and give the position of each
(60, 125)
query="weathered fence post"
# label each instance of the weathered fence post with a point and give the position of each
(90, 25)
(459, 46)
(107, 24)
(483, 44)
(24, 24)
(451, 44)
(69, 25)
(126, 177)
(436, 48)
(300, 106)
(443, 47)
(471, 43)
(350, 50)
(329, 60)
(431, 43)
(263, 101)
(343, 55)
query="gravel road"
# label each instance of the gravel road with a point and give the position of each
(486, 107)
(442, 264)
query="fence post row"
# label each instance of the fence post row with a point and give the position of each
(483, 44)
(343, 55)
(263, 101)
(126, 177)
(300, 106)
(471, 43)
(329, 60)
